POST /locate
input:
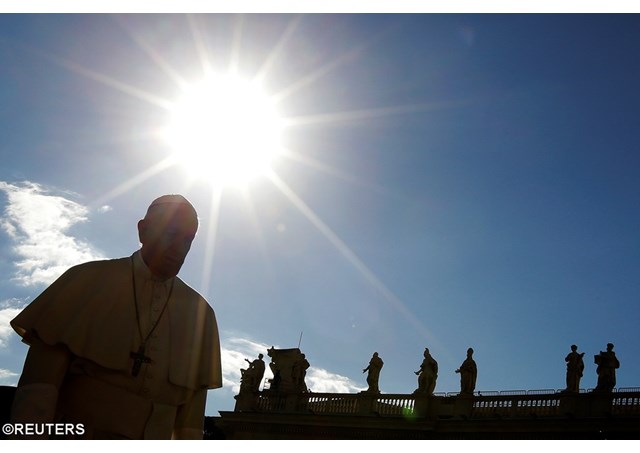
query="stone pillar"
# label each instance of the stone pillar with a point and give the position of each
(366, 403)
(423, 404)
(463, 405)
(601, 403)
(246, 402)
(291, 402)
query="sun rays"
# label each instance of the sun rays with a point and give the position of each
(203, 140)
(349, 255)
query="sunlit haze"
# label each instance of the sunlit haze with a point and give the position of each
(224, 129)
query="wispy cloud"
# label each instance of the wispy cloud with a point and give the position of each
(235, 350)
(322, 381)
(38, 222)
(8, 310)
(8, 377)
(6, 331)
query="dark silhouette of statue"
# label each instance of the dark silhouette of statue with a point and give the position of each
(575, 367)
(289, 367)
(251, 378)
(298, 372)
(427, 374)
(468, 374)
(276, 381)
(375, 365)
(607, 364)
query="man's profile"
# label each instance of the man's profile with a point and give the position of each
(123, 346)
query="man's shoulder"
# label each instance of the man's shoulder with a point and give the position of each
(94, 269)
(99, 264)
(191, 294)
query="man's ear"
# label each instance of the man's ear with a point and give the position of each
(142, 229)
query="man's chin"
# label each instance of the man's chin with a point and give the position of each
(172, 271)
(166, 271)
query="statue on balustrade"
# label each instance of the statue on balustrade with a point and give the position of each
(298, 372)
(375, 365)
(575, 367)
(468, 374)
(289, 368)
(427, 374)
(607, 364)
(251, 378)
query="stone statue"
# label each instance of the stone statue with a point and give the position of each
(427, 374)
(251, 378)
(468, 374)
(276, 381)
(575, 367)
(607, 364)
(289, 367)
(375, 365)
(298, 372)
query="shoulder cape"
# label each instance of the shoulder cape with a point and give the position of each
(90, 310)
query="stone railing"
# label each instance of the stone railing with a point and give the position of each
(626, 401)
(505, 404)
(518, 405)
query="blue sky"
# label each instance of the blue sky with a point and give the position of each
(451, 181)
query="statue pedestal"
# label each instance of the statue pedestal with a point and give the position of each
(246, 402)
(463, 405)
(569, 403)
(426, 405)
(601, 402)
(367, 402)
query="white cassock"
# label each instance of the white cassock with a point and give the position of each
(87, 317)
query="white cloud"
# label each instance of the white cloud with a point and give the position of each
(8, 377)
(322, 381)
(235, 350)
(38, 223)
(7, 313)
(8, 310)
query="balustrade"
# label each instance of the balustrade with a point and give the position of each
(504, 404)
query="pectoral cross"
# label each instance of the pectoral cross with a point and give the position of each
(138, 359)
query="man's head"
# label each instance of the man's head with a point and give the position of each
(166, 233)
(574, 348)
(609, 347)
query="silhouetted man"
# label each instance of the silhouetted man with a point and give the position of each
(123, 347)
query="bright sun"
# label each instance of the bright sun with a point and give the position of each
(224, 129)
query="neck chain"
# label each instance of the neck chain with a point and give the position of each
(139, 357)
